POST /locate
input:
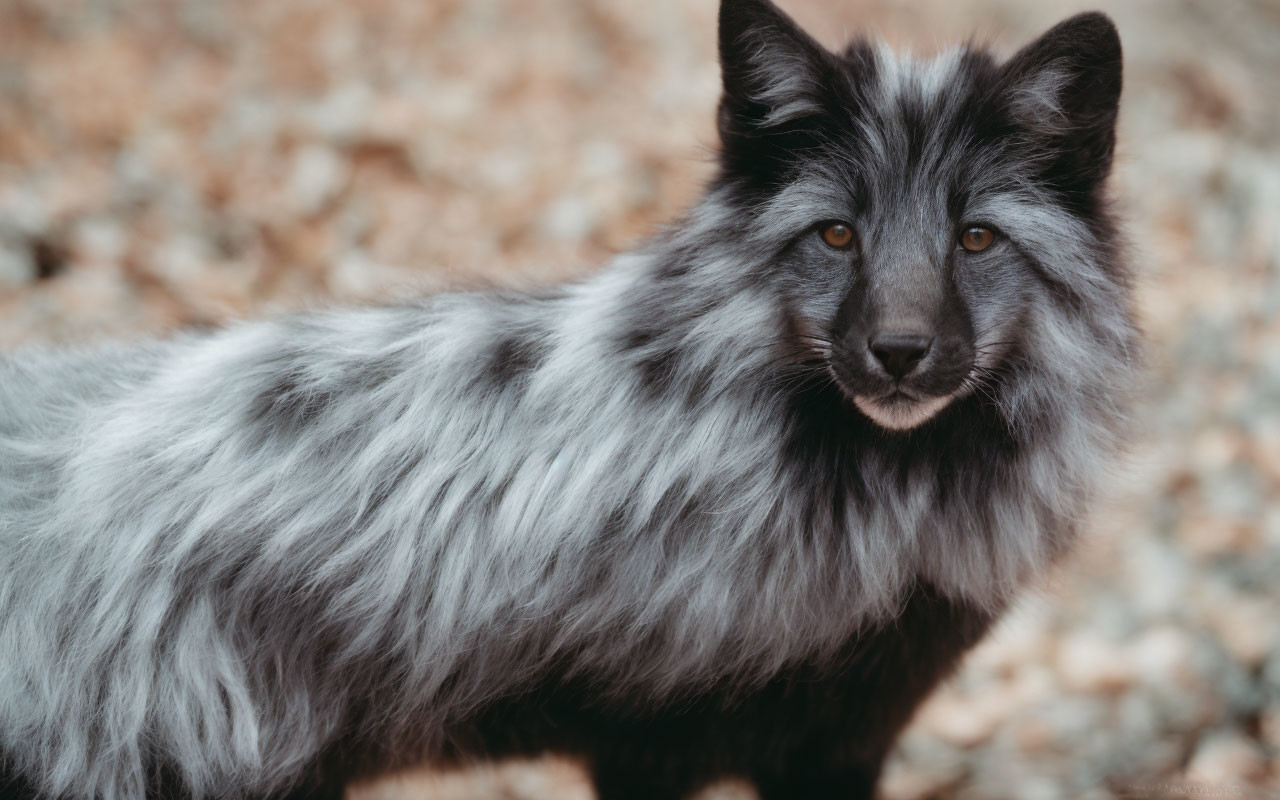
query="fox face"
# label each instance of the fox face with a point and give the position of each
(927, 216)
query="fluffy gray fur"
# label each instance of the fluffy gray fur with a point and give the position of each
(214, 548)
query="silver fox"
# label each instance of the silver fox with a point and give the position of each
(730, 506)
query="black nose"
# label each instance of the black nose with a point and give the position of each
(900, 353)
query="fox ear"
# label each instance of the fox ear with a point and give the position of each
(773, 71)
(1064, 89)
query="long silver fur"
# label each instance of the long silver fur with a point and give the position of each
(214, 548)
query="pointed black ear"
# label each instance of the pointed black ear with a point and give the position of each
(773, 72)
(1063, 89)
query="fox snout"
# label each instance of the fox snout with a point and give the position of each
(902, 368)
(899, 353)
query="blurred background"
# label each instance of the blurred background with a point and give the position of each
(169, 163)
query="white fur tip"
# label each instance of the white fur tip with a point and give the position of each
(901, 415)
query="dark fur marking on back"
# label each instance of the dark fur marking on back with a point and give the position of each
(513, 358)
(289, 404)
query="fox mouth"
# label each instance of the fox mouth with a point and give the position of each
(896, 404)
(896, 410)
(898, 397)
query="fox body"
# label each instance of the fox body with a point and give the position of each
(730, 506)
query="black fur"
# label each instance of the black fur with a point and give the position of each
(813, 731)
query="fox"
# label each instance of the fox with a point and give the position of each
(730, 506)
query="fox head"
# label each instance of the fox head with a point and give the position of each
(929, 222)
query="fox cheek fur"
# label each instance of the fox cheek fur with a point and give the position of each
(730, 507)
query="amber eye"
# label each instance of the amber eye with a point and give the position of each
(976, 239)
(838, 235)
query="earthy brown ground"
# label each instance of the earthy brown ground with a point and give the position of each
(166, 163)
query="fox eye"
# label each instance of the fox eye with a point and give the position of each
(838, 235)
(976, 239)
